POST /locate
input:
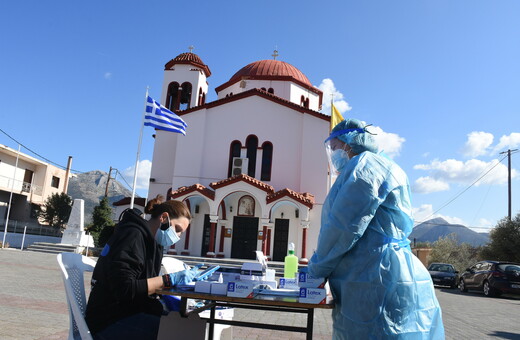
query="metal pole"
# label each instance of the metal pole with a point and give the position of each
(11, 197)
(86, 252)
(23, 237)
(108, 180)
(509, 182)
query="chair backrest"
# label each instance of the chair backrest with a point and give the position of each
(72, 268)
(172, 265)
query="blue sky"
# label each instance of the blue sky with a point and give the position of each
(440, 80)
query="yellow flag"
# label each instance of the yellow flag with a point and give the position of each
(335, 117)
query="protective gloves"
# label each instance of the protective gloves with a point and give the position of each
(180, 278)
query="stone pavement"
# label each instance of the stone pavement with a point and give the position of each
(33, 304)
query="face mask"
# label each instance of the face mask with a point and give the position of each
(166, 237)
(339, 158)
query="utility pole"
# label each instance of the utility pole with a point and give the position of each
(509, 179)
(108, 180)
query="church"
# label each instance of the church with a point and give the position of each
(252, 166)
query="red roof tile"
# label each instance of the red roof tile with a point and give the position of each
(190, 59)
(192, 188)
(245, 178)
(270, 70)
(305, 198)
(141, 201)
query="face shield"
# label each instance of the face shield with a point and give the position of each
(337, 150)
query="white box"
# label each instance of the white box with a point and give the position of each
(218, 288)
(243, 289)
(203, 287)
(252, 269)
(288, 283)
(313, 295)
(308, 281)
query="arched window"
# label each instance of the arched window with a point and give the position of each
(203, 98)
(199, 98)
(263, 89)
(302, 100)
(271, 90)
(267, 161)
(252, 146)
(307, 102)
(234, 151)
(185, 96)
(172, 95)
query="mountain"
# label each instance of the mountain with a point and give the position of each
(431, 230)
(90, 186)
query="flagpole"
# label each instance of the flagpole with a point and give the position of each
(11, 197)
(138, 151)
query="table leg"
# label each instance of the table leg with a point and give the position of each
(310, 323)
(211, 323)
(183, 307)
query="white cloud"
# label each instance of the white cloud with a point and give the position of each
(508, 142)
(426, 185)
(425, 213)
(477, 144)
(108, 75)
(465, 173)
(388, 142)
(143, 174)
(328, 88)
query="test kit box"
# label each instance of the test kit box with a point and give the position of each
(308, 281)
(313, 295)
(286, 283)
(203, 287)
(218, 288)
(242, 289)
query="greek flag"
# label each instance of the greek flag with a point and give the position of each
(161, 118)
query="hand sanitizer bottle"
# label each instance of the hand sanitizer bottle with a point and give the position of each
(291, 264)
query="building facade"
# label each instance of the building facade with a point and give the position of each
(252, 166)
(30, 181)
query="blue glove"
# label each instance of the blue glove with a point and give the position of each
(180, 278)
(303, 270)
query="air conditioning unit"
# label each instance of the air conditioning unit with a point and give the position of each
(239, 166)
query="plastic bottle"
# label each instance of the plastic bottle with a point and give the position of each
(291, 263)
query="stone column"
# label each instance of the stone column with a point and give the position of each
(213, 219)
(305, 226)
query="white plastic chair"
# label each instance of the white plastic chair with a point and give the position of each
(72, 268)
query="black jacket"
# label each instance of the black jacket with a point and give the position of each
(119, 287)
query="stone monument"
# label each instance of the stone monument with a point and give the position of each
(75, 231)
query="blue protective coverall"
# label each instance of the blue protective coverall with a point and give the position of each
(381, 290)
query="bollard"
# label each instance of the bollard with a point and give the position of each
(23, 237)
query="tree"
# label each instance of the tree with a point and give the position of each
(56, 210)
(448, 250)
(101, 220)
(504, 242)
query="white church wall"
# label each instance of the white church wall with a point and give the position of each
(163, 162)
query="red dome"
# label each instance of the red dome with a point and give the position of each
(188, 58)
(269, 69)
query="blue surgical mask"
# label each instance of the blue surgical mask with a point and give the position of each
(166, 236)
(339, 159)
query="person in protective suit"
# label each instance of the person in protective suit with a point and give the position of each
(381, 290)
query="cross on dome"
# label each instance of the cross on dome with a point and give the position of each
(191, 48)
(275, 54)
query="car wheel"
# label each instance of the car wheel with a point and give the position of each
(462, 286)
(488, 290)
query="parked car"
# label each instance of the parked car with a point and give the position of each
(443, 274)
(492, 277)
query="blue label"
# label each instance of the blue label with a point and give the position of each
(105, 250)
(302, 277)
(303, 292)
(231, 287)
(282, 282)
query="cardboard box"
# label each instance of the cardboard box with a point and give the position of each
(288, 283)
(243, 289)
(308, 281)
(203, 287)
(313, 295)
(218, 288)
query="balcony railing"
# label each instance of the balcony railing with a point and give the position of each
(6, 183)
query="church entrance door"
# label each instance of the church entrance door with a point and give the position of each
(245, 234)
(206, 236)
(281, 237)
